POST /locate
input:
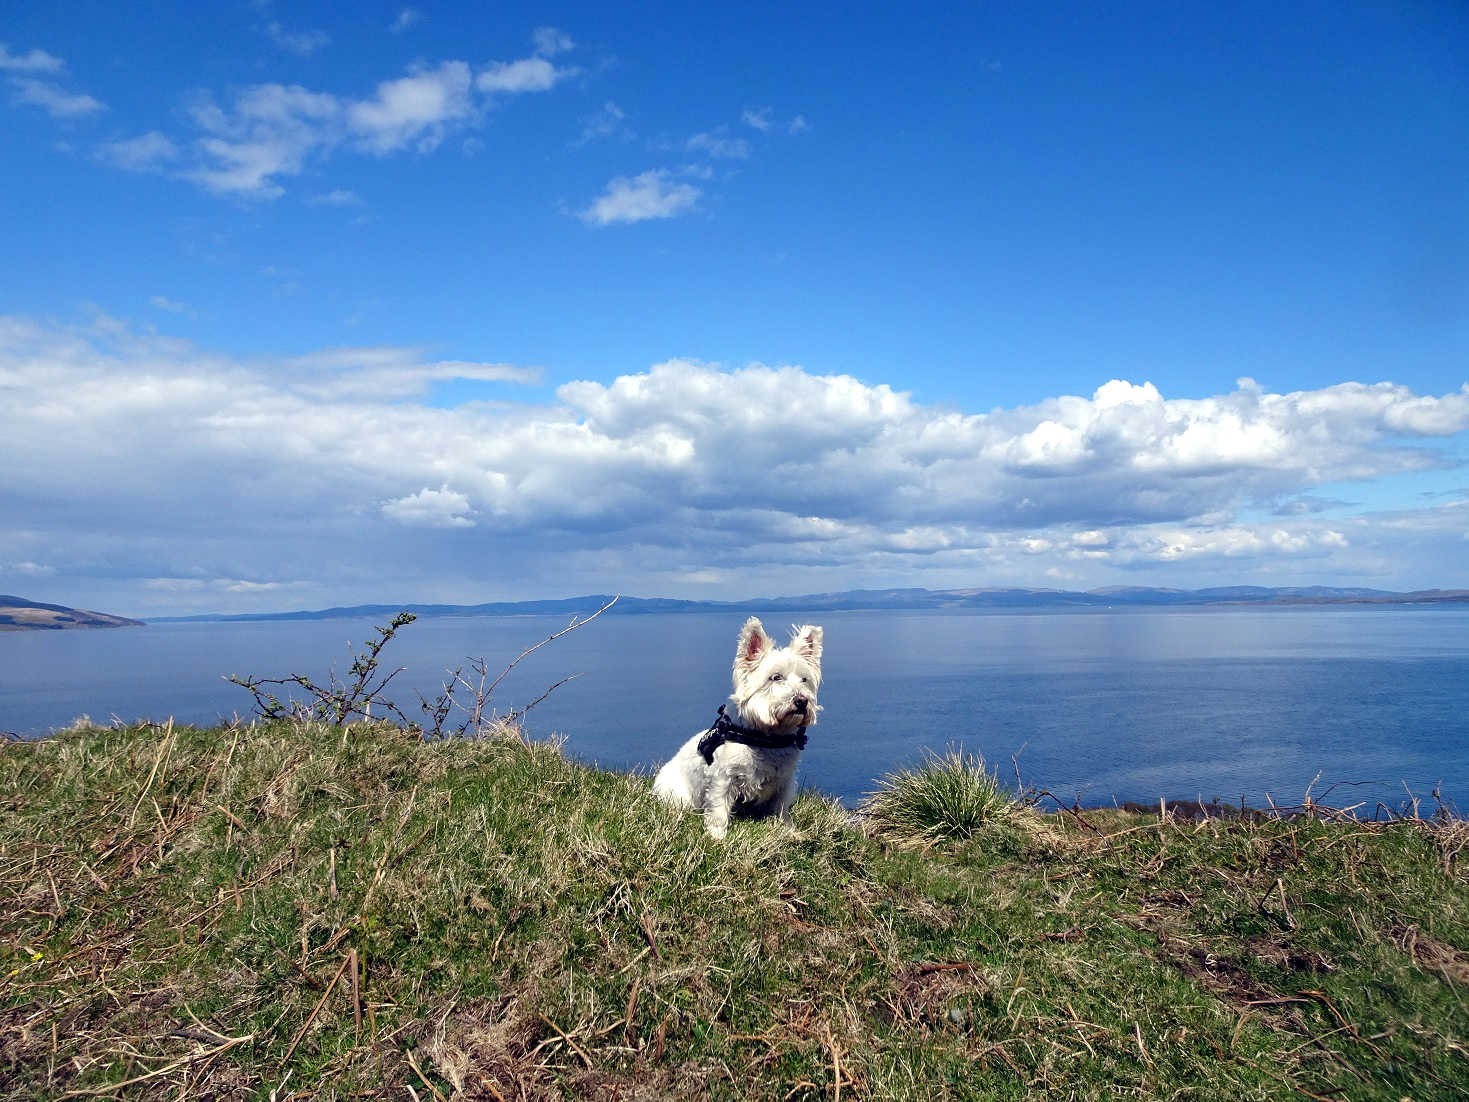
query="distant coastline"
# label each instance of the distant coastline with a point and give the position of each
(883, 599)
(20, 614)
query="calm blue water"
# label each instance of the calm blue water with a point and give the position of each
(1100, 705)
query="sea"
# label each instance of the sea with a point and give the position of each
(1356, 706)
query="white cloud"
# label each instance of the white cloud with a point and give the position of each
(300, 43)
(798, 125)
(757, 117)
(529, 74)
(442, 508)
(270, 131)
(549, 41)
(265, 133)
(778, 478)
(639, 198)
(408, 17)
(164, 303)
(52, 98)
(387, 372)
(606, 122)
(36, 61)
(145, 153)
(719, 144)
(274, 130)
(414, 110)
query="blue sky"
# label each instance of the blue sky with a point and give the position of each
(452, 302)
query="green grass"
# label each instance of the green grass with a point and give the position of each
(951, 796)
(308, 912)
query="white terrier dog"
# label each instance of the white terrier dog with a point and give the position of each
(746, 765)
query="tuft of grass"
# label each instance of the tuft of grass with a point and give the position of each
(300, 910)
(951, 795)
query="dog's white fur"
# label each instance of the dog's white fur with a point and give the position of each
(775, 692)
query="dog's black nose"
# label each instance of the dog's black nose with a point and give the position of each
(799, 703)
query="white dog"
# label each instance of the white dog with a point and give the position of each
(745, 765)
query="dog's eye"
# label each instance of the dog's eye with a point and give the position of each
(777, 677)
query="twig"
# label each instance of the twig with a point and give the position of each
(408, 1052)
(574, 1046)
(1138, 1032)
(836, 1065)
(356, 998)
(228, 814)
(519, 713)
(113, 1088)
(320, 1003)
(632, 1006)
(1073, 811)
(575, 623)
(95, 878)
(1289, 919)
(157, 760)
(648, 933)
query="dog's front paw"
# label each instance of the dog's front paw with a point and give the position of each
(716, 827)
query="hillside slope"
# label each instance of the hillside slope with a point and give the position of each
(20, 614)
(310, 912)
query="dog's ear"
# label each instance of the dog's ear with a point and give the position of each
(754, 645)
(806, 641)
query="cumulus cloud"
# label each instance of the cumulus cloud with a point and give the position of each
(640, 198)
(442, 508)
(269, 130)
(529, 74)
(415, 110)
(779, 477)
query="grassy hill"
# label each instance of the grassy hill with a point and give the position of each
(20, 614)
(304, 911)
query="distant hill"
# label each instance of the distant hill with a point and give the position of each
(19, 614)
(894, 599)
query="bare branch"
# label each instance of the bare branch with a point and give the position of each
(575, 623)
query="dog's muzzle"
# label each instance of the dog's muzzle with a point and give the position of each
(800, 709)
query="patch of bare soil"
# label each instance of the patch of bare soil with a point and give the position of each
(924, 993)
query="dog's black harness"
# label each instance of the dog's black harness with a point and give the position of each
(727, 730)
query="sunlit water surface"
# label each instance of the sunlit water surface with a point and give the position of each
(1100, 705)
